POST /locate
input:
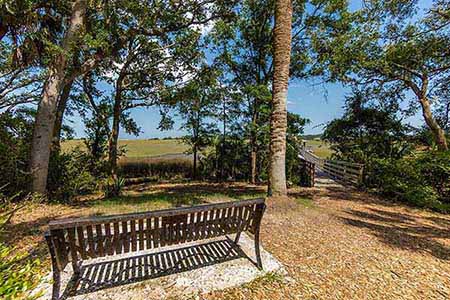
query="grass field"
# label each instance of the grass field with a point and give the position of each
(140, 148)
(320, 148)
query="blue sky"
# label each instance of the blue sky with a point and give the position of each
(320, 103)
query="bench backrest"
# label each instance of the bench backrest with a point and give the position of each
(91, 237)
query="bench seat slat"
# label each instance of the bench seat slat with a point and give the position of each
(148, 233)
(91, 244)
(99, 240)
(156, 233)
(81, 242)
(133, 236)
(72, 246)
(124, 237)
(116, 240)
(108, 240)
(141, 234)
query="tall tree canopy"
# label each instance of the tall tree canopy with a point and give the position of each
(392, 50)
(66, 39)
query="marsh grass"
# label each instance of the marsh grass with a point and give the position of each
(320, 148)
(159, 168)
(138, 148)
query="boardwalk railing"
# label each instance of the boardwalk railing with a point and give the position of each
(342, 171)
(307, 173)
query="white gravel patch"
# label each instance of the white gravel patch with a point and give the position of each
(205, 275)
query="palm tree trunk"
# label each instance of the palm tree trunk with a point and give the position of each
(278, 116)
(46, 114)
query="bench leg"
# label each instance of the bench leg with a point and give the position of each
(56, 285)
(76, 268)
(258, 250)
(55, 270)
(238, 236)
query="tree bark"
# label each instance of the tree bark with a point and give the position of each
(278, 116)
(46, 114)
(253, 147)
(62, 104)
(194, 175)
(436, 130)
(222, 146)
(114, 137)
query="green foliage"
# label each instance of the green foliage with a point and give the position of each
(18, 273)
(15, 138)
(367, 131)
(112, 187)
(229, 158)
(226, 159)
(422, 181)
(70, 175)
(435, 167)
(398, 54)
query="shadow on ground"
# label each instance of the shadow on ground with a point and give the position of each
(206, 189)
(103, 275)
(403, 231)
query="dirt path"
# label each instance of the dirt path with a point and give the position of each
(349, 245)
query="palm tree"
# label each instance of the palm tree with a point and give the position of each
(278, 116)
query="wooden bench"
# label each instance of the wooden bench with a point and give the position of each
(78, 239)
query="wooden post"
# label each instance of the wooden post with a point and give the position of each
(55, 268)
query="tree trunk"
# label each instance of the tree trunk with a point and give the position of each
(278, 116)
(222, 147)
(253, 148)
(62, 104)
(46, 114)
(114, 136)
(253, 157)
(436, 130)
(194, 172)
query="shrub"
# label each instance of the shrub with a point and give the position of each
(18, 273)
(16, 130)
(112, 187)
(423, 180)
(435, 168)
(70, 175)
